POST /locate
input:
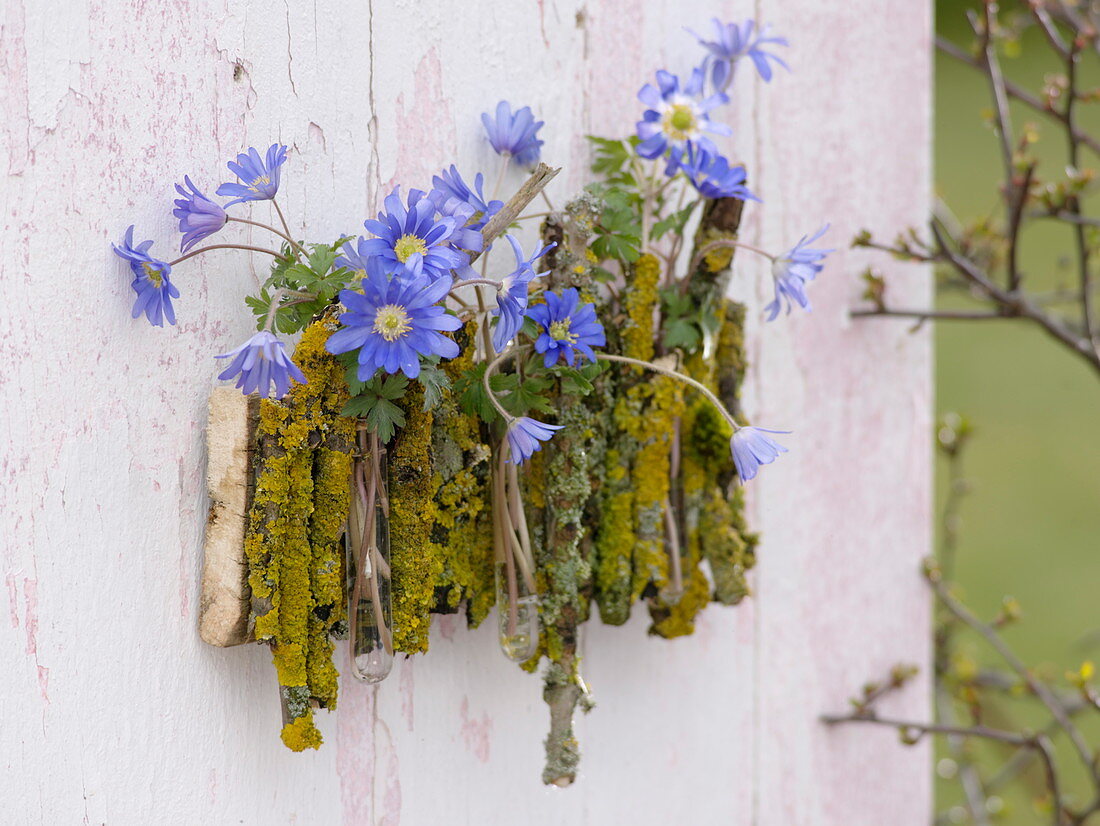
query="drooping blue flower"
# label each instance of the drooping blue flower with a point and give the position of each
(259, 176)
(353, 257)
(525, 438)
(676, 118)
(414, 241)
(513, 294)
(734, 41)
(451, 194)
(394, 322)
(792, 271)
(514, 135)
(151, 283)
(751, 449)
(566, 328)
(199, 216)
(712, 175)
(260, 361)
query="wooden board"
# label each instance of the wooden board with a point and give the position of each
(120, 713)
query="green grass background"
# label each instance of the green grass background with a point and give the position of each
(1031, 526)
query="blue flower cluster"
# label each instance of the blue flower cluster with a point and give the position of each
(261, 361)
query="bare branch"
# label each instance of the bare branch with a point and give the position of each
(1036, 686)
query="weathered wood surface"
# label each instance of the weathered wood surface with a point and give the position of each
(225, 597)
(118, 713)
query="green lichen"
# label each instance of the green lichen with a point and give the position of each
(725, 541)
(660, 402)
(414, 559)
(293, 541)
(462, 532)
(616, 543)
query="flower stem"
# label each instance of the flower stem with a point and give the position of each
(719, 244)
(271, 229)
(672, 374)
(201, 250)
(470, 281)
(500, 178)
(286, 227)
(488, 374)
(277, 297)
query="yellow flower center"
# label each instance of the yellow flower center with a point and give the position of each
(559, 331)
(391, 322)
(153, 274)
(258, 182)
(408, 245)
(679, 122)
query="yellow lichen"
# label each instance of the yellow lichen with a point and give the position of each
(293, 543)
(462, 533)
(414, 559)
(300, 734)
(640, 302)
(615, 544)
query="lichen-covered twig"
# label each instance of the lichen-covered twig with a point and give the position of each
(292, 545)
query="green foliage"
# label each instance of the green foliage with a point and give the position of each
(686, 325)
(618, 234)
(314, 275)
(374, 401)
(434, 381)
(471, 391)
(674, 222)
(612, 160)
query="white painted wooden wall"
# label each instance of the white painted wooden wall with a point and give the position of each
(113, 710)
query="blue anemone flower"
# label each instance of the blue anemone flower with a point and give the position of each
(514, 135)
(260, 361)
(513, 294)
(259, 176)
(714, 177)
(677, 118)
(151, 283)
(793, 270)
(394, 322)
(525, 437)
(452, 195)
(354, 257)
(734, 41)
(751, 449)
(413, 240)
(199, 216)
(566, 328)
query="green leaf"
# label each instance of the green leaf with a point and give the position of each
(529, 395)
(435, 383)
(674, 222)
(374, 403)
(384, 418)
(391, 387)
(472, 397)
(574, 382)
(682, 333)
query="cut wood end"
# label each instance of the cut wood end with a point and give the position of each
(230, 436)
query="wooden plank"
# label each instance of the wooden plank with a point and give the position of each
(224, 603)
(104, 500)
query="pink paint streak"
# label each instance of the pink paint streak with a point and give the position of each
(407, 691)
(30, 623)
(476, 732)
(13, 601)
(355, 748)
(427, 143)
(391, 795)
(447, 624)
(30, 620)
